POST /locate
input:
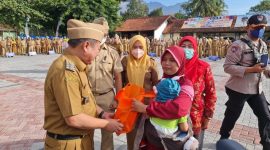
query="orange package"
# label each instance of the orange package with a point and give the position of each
(125, 97)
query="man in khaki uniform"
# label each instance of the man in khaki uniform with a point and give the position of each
(200, 48)
(205, 47)
(14, 46)
(24, 46)
(214, 50)
(105, 75)
(37, 45)
(125, 45)
(48, 45)
(70, 107)
(3, 47)
(58, 45)
(148, 44)
(30, 45)
(118, 45)
(42, 44)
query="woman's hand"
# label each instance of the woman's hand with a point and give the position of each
(138, 106)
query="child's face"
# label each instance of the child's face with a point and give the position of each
(169, 65)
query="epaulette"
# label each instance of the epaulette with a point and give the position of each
(70, 66)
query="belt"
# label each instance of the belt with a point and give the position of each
(64, 137)
(99, 94)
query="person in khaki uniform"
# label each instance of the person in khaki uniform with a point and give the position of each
(42, 44)
(70, 107)
(125, 45)
(205, 47)
(38, 45)
(58, 45)
(118, 45)
(48, 45)
(14, 46)
(141, 70)
(105, 75)
(148, 44)
(226, 45)
(3, 47)
(23, 46)
(214, 50)
(30, 45)
(9, 43)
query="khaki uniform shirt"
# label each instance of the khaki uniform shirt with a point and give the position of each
(67, 93)
(101, 71)
(3, 43)
(238, 58)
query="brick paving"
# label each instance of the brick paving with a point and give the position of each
(22, 111)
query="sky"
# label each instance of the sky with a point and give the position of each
(235, 7)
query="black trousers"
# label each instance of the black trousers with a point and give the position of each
(235, 105)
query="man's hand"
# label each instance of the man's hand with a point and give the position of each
(257, 68)
(138, 106)
(114, 125)
(107, 115)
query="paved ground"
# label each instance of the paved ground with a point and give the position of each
(22, 112)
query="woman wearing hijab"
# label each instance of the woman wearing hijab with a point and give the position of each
(199, 72)
(141, 70)
(173, 65)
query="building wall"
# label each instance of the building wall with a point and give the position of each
(9, 34)
(158, 32)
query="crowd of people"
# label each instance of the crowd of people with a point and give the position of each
(23, 45)
(207, 46)
(211, 46)
(81, 84)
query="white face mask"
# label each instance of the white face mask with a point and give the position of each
(103, 41)
(137, 53)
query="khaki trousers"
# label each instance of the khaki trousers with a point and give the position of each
(104, 101)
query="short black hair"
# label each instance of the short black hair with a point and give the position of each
(75, 42)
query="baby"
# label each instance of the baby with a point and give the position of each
(169, 89)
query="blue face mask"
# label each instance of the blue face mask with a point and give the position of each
(258, 33)
(189, 53)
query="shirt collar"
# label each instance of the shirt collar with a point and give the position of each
(76, 60)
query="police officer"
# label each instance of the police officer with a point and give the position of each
(243, 64)
(70, 107)
(105, 75)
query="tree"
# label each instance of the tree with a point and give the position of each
(156, 12)
(204, 8)
(135, 9)
(15, 13)
(87, 10)
(180, 15)
(263, 7)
